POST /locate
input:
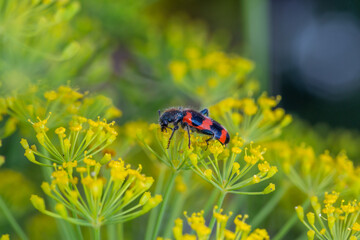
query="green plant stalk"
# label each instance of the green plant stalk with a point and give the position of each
(175, 212)
(269, 207)
(4, 208)
(120, 231)
(256, 31)
(219, 204)
(167, 193)
(111, 231)
(77, 228)
(154, 211)
(177, 208)
(210, 202)
(96, 233)
(290, 223)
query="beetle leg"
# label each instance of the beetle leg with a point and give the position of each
(207, 141)
(205, 112)
(172, 134)
(164, 128)
(188, 131)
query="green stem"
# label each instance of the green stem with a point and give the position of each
(12, 220)
(290, 223)
(120, 230)
(154, 212)
(169, 187)
(210, 202)
(269, 207)
(177, 206)
(96, 233)
(175, 212)
(111, 231)
(256, 31)
(219, 204)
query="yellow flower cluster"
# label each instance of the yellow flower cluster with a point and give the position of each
(97, 199)
(65, 102)
(216, 164)
(211, 76)
(230, 171)
(197, 223)
(313, 174)
(332, 221)
(261, 121)
(82, 137)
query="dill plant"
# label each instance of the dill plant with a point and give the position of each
(94, 198)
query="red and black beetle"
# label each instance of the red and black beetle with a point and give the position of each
(196, 121)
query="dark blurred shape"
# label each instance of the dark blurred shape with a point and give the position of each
(327, 53)
(316, 59)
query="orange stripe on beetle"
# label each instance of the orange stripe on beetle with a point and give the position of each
(187, 119)
(206, 124)
(222, 138)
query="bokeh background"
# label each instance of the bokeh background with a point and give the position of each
(306, 51)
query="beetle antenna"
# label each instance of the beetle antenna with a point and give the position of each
(159, 113)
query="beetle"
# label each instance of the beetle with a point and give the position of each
(190, 119)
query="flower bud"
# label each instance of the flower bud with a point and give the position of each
(311, 234)
(24, 143)
(153, 202)
(270, 188)
(144, 198)
(256, 179)
(46, 188)
(60, 131)
(236, 167)
(236, 150)
(208, 173)
(148, 182)
(38, 202)
(29, 154)
(311, 218)
(105, 159)
(300, 212)
(41, 138)
(60, 208)
(177, 229)
(272, 171)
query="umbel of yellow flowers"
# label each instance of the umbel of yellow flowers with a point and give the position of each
(82, 137)
(202, 232)
(94, 199)
(89, 190)
(332, 221)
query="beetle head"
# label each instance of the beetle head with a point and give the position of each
(170, 116)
